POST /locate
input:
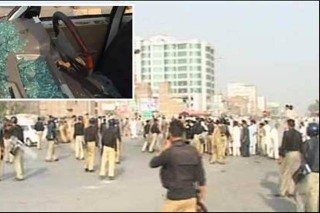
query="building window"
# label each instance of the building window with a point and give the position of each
(195, 61)
(182, 75)
(196, 90)
(182, 53)
(195, 53)
(157, 47)
(182, 46)
(182, 61)
(183, 68)
(157, 54)
(169, 46)
(157, 62)
(182, 83)
(171, 61)
(157, 69)
(182, 90)
(157, 77)
(198, 75)
(196, 46)
(169, 54)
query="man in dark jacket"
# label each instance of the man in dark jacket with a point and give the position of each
(39, 127)
(290, 158)
(155, 131)
(181, 171)
(91, 140)
(52, 139)
(146, 136)
(109, 144)
(307, 193)
(245, 140)
(17, 132)
(79, 138)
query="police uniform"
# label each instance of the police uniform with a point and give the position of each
(91, 139)
(181, 170)
(52, 139)
(79, 140)
(197, 130)
(218, 146)
(109, 146)
(307, 194)
(290, 151)
(17, 132)
(146, 135)
(209, 137)
(39, 127)
(155, 131)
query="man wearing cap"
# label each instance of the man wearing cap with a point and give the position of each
(79, 138)
(109, 144)
(52, 140)
(91, 140)
(39, 127)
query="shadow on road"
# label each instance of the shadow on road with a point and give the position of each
(276, 203)
(35, 172)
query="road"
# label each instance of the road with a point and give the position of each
(244, 184)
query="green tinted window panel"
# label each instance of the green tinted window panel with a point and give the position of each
(10, 42)
(38, 80)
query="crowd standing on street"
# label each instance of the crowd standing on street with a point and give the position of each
(181, 144)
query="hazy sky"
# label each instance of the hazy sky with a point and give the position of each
(274, 45)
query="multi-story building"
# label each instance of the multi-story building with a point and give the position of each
(188, 65)
(261, 103)
(246, 91)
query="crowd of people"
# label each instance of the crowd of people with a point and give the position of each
(218, 138)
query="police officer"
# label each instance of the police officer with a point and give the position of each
(52, 140)
(181, 171)
(197, 130)
(39, 127)
(218, 147)
(109, 144)
(79, 138)
(155, 131)
(17, 131)
(146, 135)
(91, 140)
(210, 134)
(307, 195)
(290, 158)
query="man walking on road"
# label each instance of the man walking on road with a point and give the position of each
(39, 127)
(79, 138)
(181, 171)
(290, 160)
(52, 140)
(91, 140)
(109, 144)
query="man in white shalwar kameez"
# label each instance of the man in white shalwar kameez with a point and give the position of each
(253, 137)
(268, 144)
(274, 136)
(236, 135)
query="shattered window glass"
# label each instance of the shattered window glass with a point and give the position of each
(35, 74)
(37, 79)
(10, 42)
